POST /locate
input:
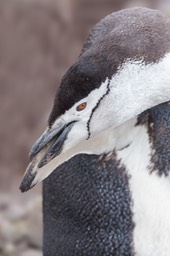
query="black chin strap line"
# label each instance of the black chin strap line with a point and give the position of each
(96, 106)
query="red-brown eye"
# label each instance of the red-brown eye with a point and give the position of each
(81, 106)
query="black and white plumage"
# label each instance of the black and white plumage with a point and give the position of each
(111, 120)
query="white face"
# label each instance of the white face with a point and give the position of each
(135, 88)
(82, 112)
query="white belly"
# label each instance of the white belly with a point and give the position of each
(151, 200)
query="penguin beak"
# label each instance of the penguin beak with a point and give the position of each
(47, 147)
(53, 140)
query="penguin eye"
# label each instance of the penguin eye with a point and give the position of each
(82, 106)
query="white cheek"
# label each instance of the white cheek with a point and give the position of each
(102, 118)
(78, 133)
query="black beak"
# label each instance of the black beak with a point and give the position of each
(48, 146)
(53, 140)
(45, 138)
(56, 147)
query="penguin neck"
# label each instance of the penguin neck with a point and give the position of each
(112, 139)
(84, 199)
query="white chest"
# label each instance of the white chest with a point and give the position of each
(151, 199)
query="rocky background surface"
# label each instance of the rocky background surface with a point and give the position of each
(20, 225)
(39, 39)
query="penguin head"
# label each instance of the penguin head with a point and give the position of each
(110, 84)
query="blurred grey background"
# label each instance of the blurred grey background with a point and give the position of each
(39, 40)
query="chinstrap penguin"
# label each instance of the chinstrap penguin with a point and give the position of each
(107, 144)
